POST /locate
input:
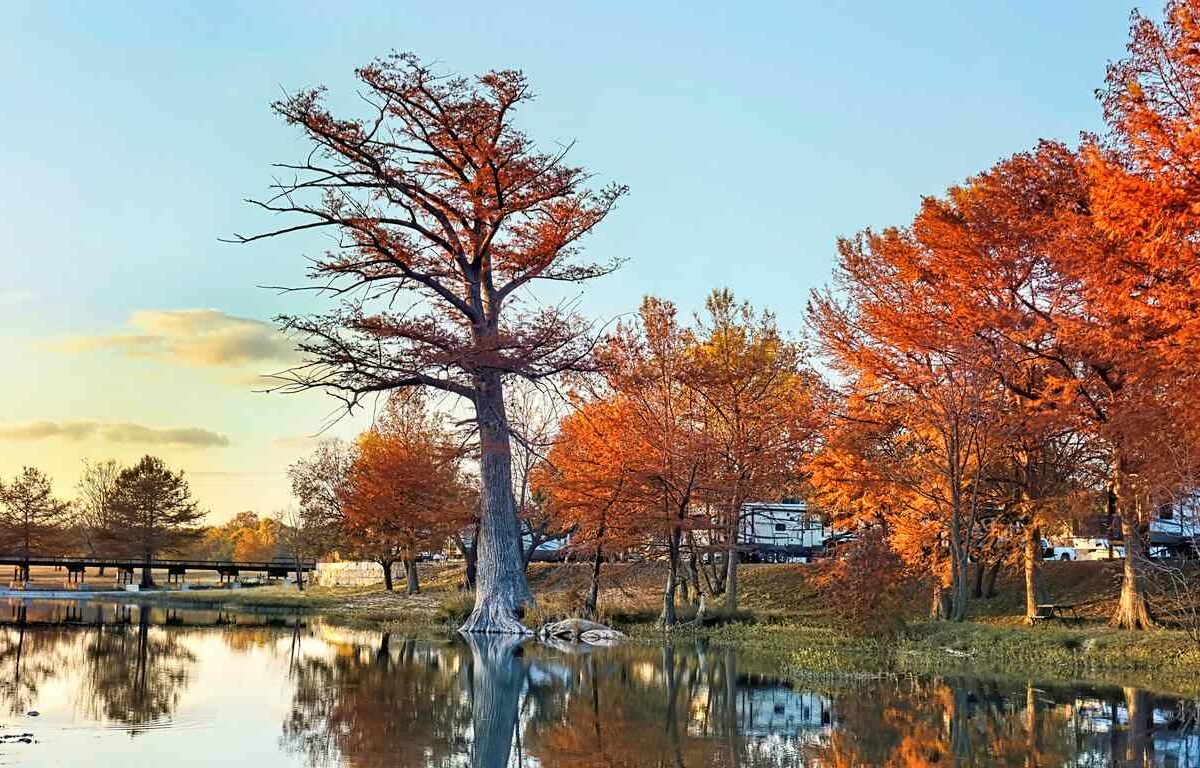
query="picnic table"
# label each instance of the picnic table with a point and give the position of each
(1064, 612)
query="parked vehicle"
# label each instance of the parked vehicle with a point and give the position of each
(1060, 553)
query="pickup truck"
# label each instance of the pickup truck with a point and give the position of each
(1059, 553)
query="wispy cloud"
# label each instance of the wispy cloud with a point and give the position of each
(302, 442)
(192, 337)
(120, 432)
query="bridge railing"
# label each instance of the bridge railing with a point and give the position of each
(158, 562)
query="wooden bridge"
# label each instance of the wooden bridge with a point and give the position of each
(125, 567)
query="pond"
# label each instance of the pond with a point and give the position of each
(132, 685)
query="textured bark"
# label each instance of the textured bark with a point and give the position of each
(501, 592)
(989, 580)
(147, 574)
(589, 607)
(941, 603)
(731, 575)
(497, 675)
(668, 617)
(694, 576)
(411, 577)
(387, 575)
(959, 562)
(1132, 611)
(469, 552)
(1035, 590)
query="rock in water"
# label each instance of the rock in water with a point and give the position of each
(581, 630)
(601, 636)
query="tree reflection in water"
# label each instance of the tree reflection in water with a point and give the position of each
(134, 674)
(492, 702)
(369, 699)
(27, 660)
(402, 705)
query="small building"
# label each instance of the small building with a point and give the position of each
(780, 532)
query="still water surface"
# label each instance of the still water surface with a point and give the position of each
(125, 685)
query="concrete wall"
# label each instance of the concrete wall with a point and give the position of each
(348, 573)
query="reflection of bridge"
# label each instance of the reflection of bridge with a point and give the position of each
(76, 567)
(65, 614)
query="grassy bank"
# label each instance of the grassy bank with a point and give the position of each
(783, 615)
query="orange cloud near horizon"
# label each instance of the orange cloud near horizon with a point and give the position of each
(198, 338)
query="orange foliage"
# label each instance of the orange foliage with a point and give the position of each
(403, 493)
(589, 478)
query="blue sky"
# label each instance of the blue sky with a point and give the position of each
(751, 137)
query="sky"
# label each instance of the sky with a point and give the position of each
(751, 135)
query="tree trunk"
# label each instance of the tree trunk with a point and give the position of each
(1132, 611)
(977, 586)
(497, 674)
(527, 552)
(411, 577)
(731, 581)
(589, 607)
(468, 553)
(299, 558)
(147, 576)
(694, 576)
(387, 575)
(501, 593)
(1035, 590)
(958, 565)
(941, 607)
(667, 618)
(989, 581)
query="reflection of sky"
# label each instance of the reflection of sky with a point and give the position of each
(238, 691)
(230, 710)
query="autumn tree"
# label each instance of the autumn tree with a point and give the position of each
(884, 331)
(645, 361)
(317, 483)
(447, 217)
(1143, 178)
(592, 486)
(1033, 281)
(31, 518)
(759, 412)
(403, 492)
(153, 512)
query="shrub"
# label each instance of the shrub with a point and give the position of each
(866, 588)
(456, 608)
